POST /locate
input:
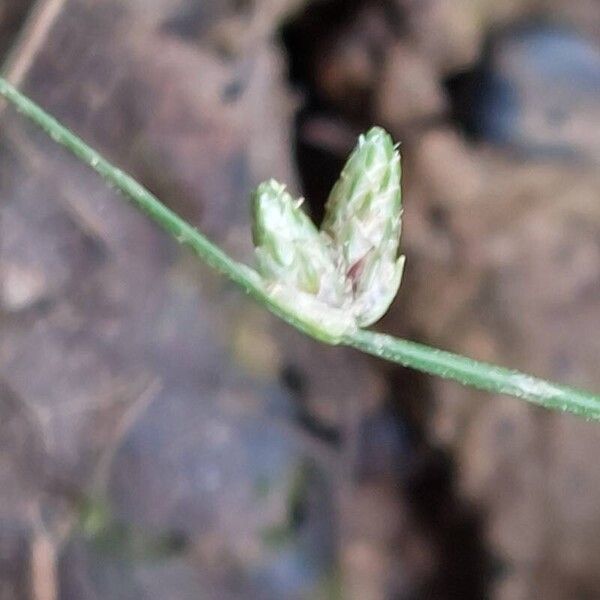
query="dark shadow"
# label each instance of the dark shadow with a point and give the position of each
(12, 18)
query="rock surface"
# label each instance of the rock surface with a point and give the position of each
(161, 434)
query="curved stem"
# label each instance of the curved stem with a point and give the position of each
(410, 354)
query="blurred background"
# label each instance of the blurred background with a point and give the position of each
(162, 436)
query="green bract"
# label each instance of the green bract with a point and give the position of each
(350, 269)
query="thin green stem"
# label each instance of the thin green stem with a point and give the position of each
(410, 354)
(480, 375)
(182, 231)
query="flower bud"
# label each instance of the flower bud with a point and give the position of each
(363, 219)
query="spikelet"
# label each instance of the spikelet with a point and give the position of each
(289, 248)
(363, 219)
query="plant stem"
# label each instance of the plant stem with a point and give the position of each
(410, 354)
(182, 231)
(480, 375)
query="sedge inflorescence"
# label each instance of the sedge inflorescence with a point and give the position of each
(347, 272)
